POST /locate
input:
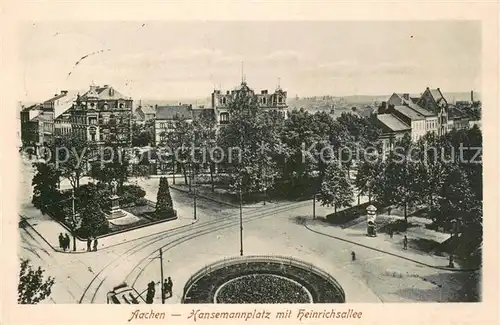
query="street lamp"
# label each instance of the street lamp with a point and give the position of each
(241, 224)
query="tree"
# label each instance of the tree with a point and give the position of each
(335, 189)
(400, 184)
(112, 166)
(205, 139)
(163, 198)
(74, 154)
(45, 186)
(93, 219)
(32, 287)
(369, 174)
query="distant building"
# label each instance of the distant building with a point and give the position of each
(429, 113)
(38, 122)
(102, 115)
(144, 113)
(165, 117)
(393, 129)
(267, 101)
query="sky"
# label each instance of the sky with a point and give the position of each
(174, 60)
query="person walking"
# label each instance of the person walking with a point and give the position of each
(151, 292)
(95, 244)
(165, 289)
(61, 241)
(169, 287)
(391, 232)
(89, 243)
(66, 241)
(405, 243)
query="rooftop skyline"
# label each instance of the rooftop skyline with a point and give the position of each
(170, 60)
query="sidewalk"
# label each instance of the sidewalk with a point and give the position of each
(384, 244)
(49, 230)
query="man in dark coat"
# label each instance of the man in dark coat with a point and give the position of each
(151, 292)
(89, 243)
(61, 241)
(66, 241)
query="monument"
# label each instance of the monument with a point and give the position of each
(371, 215)
(115, 211)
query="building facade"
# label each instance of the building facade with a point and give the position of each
(220, 101)
(102, 115)
(165, 119)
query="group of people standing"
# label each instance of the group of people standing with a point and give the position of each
(167, 290)
(91, 247)
(64, 241)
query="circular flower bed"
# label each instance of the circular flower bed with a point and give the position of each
(262, 280)
(263, 289)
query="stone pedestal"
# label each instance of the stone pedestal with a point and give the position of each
(115, 211)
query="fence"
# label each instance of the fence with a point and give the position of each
(259, 258)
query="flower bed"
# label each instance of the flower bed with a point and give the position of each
(264, 289)
(204, 290)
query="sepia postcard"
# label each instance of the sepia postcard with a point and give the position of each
(227, 163)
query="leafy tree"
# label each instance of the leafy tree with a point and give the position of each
(249, 165)
(163, 198)
(142, 134)
(400, 184)
(74, 154)
(93, 219)
(335, 189)
(205, 140)
(32, 287)
(45, 186)
(369, 174)
(112, 166)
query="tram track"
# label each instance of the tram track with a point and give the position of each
(185, 234)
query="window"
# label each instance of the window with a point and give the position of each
(264, 100)
(280, 99)
(92, 120)
(162, 125)
(224, 118)
(92, 137)
(223, 100)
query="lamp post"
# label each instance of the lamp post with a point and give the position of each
(194, 192)
(241, 224)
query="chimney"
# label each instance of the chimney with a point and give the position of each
(406, 96)
(472, 96)
(106, 86)
(64, 92)
(264, 92)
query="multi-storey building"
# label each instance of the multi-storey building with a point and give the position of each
(267, 101)
(102, 115)
(165, 119)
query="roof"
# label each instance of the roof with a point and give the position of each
(436, 93)
(410, 113)
(148, 109)
(31, 108)
(393, 122)
(199, 111)
(56, 97)
(105, 93)
(170, 111)
(415, 99)
(455, 113)
(421, 110)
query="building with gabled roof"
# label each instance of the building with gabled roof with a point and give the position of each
(102, 115)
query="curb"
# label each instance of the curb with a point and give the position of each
(214, 200)
(23, 220)
(444, 268)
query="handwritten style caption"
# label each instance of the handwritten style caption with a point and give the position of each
(300, 314)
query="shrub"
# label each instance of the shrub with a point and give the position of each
(131, 194)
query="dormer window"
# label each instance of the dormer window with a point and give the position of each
(111, 92)
(280, 99)
(121, 105)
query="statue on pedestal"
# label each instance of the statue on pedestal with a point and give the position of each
(114, 187)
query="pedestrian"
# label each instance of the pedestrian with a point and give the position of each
(353, 256)
(165, 288)
(405, 243)
(151, 292)
(391, 232)
(61, 240)
(169, 287)
(95, 244)
(66, 241)
(89, 243)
